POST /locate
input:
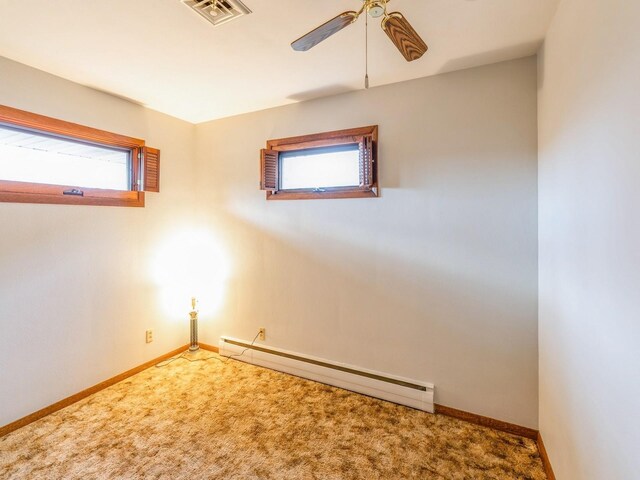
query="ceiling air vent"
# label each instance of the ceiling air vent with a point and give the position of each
(218, 11)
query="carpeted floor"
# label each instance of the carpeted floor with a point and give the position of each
(214, 420)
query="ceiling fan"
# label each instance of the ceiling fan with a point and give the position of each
(399, 30)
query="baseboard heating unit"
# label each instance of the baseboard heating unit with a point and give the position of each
(395, 389)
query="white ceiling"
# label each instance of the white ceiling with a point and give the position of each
(163, 55)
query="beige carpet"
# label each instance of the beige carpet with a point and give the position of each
(214, 420)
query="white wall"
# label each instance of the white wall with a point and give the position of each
(436, 280)
(589, 203)
(76, 292)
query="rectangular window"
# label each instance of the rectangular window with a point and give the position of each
(38, 158)
(323, 167)
(44, 160)
(340, 164)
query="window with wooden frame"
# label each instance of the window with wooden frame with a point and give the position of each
(339, 164)
(45, 160)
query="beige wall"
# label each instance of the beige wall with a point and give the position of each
(76, 292)
(589, 110)
(437, 279)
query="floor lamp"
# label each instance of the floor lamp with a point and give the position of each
(194, 326)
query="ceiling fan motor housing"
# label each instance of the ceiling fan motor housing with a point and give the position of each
(375, 9)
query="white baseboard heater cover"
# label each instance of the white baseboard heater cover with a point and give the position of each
(395, 389)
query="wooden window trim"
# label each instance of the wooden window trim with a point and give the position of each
(25, 192)
(336, 137)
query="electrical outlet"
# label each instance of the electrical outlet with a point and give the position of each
(263, 334)
(149, 336)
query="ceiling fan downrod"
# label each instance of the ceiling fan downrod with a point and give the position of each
(366, 53)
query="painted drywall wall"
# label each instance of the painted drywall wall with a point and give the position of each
(589, 172)
(76, 288)
(437, 279)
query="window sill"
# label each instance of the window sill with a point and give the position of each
(311, 195)
(22, 192)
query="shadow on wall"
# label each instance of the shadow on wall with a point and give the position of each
(436, 280)
(327, 91)
(51, 262)
(318, 292)
(491, 56)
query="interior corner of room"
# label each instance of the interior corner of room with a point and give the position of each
(485, 270)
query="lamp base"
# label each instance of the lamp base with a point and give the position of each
(194, 328)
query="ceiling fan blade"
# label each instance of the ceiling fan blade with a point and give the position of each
(404, 37)
(324, 31)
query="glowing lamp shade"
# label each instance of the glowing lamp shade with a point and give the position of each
(190, 263)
